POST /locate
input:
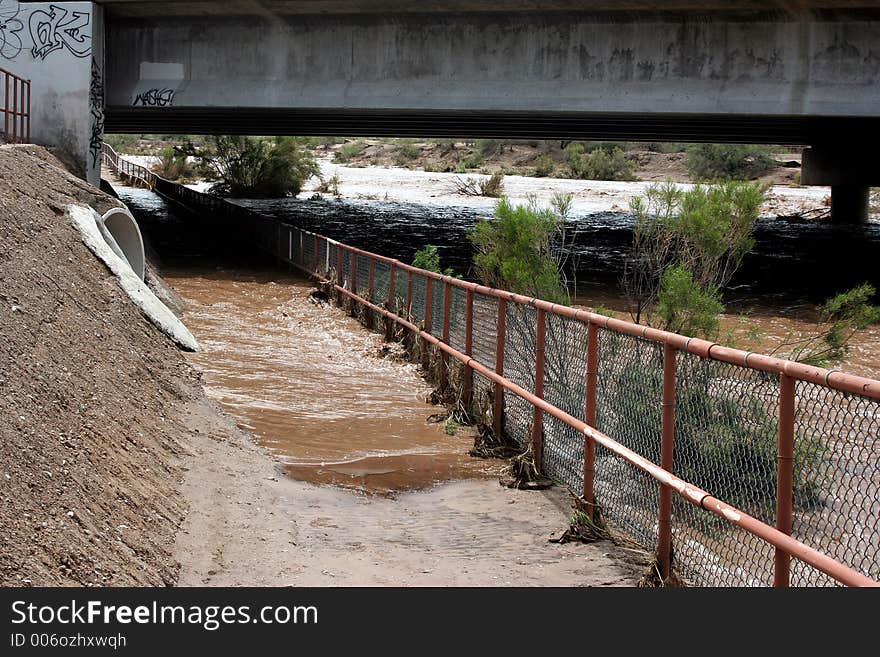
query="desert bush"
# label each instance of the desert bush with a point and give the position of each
(727, 161)
(330, 186)
(599, 164)
(349, 151)
(173, 165)
(840, 318)
(428, 258)
(666, 147)
(725, 437)
(544, 166)
(256, 167)
(489, 147)
(491, 186)
(405, 150)
(472, 161)
(514, 251)
(687, 245)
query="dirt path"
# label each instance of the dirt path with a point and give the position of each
(250, 525)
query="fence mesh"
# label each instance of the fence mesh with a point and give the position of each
(725, 430)
(565, 386)
(628, 407)
(485, 330)
(837, 480)
(726, 433)
(519, 367)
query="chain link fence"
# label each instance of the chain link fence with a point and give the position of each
(729, 418)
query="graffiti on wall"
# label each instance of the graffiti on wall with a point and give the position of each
(154, 98)
(55, 30)
(96, 112)
(58, 29)
(10, 29)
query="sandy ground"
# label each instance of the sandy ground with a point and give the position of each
(251, 525)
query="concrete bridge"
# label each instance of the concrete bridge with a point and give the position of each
(785, 71)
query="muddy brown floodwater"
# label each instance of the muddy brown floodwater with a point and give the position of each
(311, 384)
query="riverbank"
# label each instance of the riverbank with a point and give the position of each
(116, 469)
(93, 400)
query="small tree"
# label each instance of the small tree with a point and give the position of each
(515, 250)
(256, 167)
(687, 245)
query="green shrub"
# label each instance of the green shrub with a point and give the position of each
(599, 164)
(122, 143)
(727, 161)
(429, 259)
(514, 251)
(666, 147)
(544, 166)
(493, 186)
(173, 166)
(349, 151)
(688, 244)
(489, 147)
(405, 150)
(255, 167)
(840, 318)
(685, 307)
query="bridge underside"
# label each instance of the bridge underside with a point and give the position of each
(716, 128)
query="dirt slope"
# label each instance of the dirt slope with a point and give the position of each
(91, 400)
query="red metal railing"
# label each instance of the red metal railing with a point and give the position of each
(16, 108)
(338, 265)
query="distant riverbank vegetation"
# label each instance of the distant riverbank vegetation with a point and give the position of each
(254, 167)
(585, 160)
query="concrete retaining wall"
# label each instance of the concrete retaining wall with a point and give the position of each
(60, 47)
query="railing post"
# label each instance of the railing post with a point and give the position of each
(429, 285)
(6, 108)
(353, 273)
(371, 291)
(498, 392)
(667, 446)
(444, 357)
(784, 477)
(29, 111)
(538, 416)
(14, 111)
(315, 235)
(409, 292)
(467, 385)
(339, 276)
(590, 417)
(389, 304)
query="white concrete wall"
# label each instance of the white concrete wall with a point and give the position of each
(60, 48)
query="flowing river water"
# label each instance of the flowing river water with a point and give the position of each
(314, 387)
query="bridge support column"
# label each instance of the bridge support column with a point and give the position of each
(850, 204)
(849, 173)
